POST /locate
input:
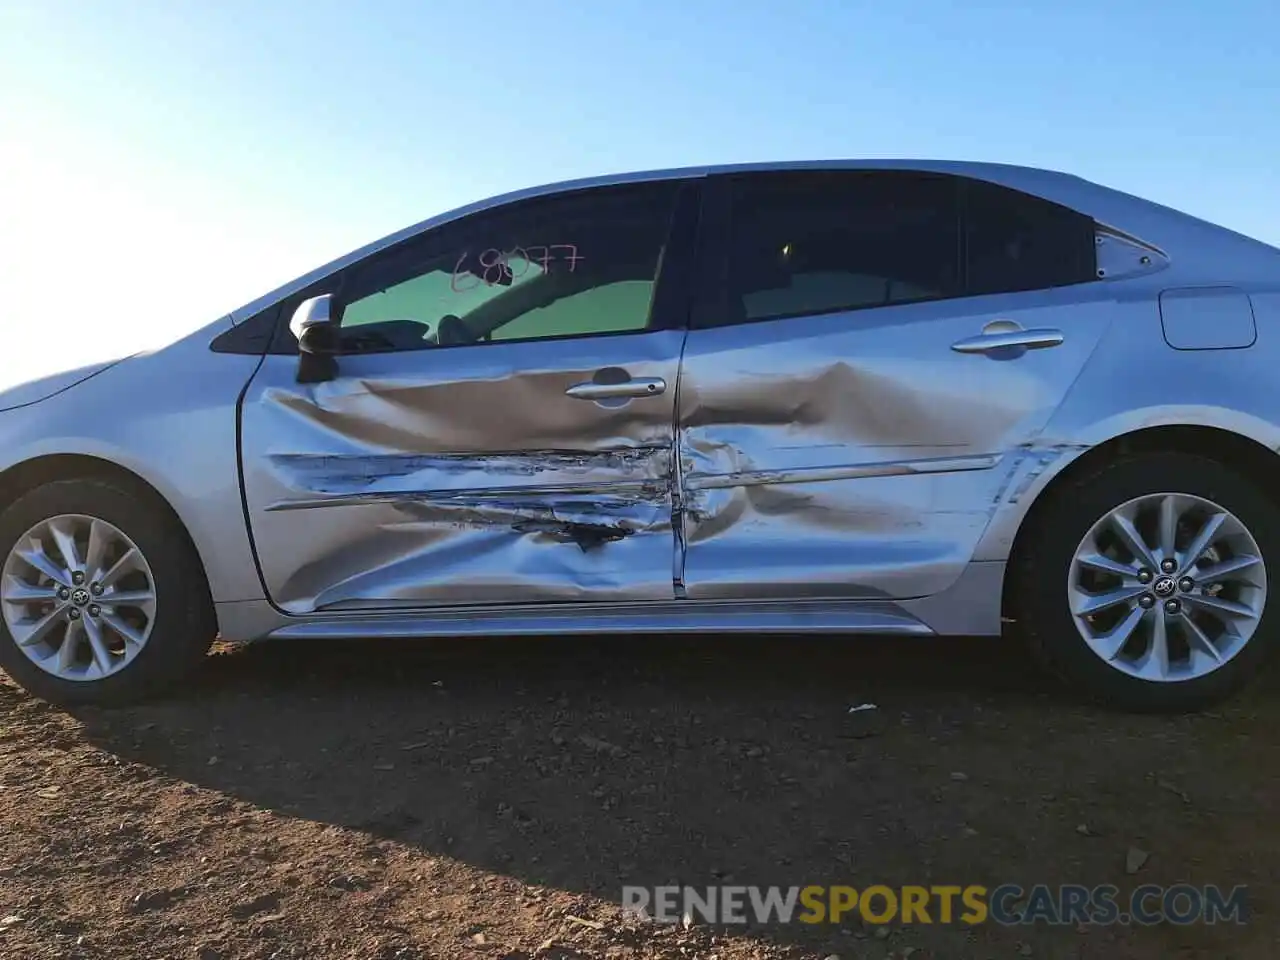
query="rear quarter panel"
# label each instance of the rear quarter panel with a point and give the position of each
(1135, 381)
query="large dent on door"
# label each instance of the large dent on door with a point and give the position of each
(848, 461)
(381, 491)
(837, 471)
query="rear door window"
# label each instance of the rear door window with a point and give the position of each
(817, 242)
(812, 243)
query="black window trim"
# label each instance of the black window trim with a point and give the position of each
(711, 304)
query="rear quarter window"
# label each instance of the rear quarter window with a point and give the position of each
(1014, 241)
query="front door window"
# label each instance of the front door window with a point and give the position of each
(571, 266)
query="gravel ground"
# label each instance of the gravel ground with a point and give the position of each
(489, 799)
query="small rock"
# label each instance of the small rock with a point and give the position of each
(863, 707)
(1083, 830)
(208, 952)
(478, 938)
(882, 933)
(48, 793)
(384, 766)
(264, 903)
(480, 761)
(1024, 950)
(1134, 860)
(349, 882)
(959, 777)
(9, 921)
(153, 900)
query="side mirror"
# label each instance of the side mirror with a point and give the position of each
(317, 339)
(312, 326)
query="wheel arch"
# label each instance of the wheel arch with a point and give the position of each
(1253, 458)
(23, 477)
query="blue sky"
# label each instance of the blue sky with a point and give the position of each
(162, 162)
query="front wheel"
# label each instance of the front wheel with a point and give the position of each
(102, 597)
(1146, 583)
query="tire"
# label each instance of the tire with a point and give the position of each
(1046, 557)
(177, 633)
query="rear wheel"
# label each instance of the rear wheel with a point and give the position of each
(102, 598)
(1146, 583)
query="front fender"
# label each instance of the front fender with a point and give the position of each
(25, 394)
(170, 418)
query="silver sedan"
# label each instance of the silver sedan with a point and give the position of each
(886, 397)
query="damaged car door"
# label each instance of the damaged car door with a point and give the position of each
(885, 345)
(498, 424)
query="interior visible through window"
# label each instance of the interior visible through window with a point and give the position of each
(579, 265)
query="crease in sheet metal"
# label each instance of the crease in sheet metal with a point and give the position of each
(483, 483)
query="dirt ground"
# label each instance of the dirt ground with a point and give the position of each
(397, 801)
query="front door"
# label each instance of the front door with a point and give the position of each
(500, 428)
(881, 350)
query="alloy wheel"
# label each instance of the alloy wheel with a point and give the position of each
(78, 597)
(1167, 587)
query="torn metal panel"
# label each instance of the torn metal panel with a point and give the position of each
(464, 475)
(858, 455)
(644, 469)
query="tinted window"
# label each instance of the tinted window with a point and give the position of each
(576, 265)
(1018, 242)
(821, 242)
(812, 243)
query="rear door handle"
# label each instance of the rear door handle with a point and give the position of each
(1007, 335)
(638, 387)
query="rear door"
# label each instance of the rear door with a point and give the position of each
(874, 350)
(500, 428)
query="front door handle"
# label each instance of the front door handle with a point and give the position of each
(1006, 336)
(638, 387)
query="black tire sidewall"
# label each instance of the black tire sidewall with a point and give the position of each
(1040, 601)
(184, 625)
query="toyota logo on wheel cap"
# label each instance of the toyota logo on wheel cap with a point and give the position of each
(1165, 586)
